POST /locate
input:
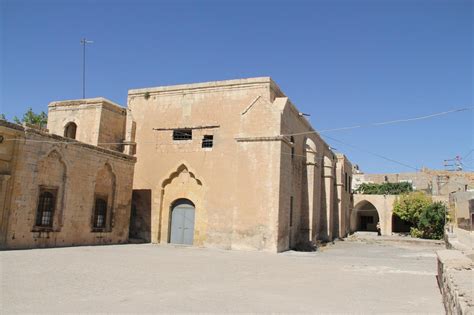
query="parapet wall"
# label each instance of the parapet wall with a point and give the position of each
(455, 274)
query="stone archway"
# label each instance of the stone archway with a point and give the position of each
(181, 184)
(365, 217)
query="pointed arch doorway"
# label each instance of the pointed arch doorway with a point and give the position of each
(182, 222)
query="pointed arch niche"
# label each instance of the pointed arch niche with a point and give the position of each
(181, 183)
(52, 178)
(102, 212)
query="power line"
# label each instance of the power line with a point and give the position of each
(390, 122)
(373, 153)
(467, 154)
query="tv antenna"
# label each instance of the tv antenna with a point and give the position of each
(84, 42)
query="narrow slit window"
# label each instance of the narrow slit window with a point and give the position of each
(346, 184)
(292, 140)
(291, 211)
(207, 141)
(182, 134)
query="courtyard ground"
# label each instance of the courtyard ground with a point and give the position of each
(348, 277)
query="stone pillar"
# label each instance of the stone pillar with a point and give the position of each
(310, 168)
(329, 190)
(4, 209)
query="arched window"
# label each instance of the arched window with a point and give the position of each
(100, 213)
(70, 130)
(45, 211)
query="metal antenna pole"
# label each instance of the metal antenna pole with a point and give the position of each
(84, 41)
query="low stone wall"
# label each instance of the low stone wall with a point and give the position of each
(455, 279)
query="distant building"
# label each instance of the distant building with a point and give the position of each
(370, 209)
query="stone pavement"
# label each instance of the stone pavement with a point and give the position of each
(347, 277)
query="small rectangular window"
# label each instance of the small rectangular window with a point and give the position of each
(207, 141)
(182, 134)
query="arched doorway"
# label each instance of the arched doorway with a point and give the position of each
(182, 222)
(366, 216)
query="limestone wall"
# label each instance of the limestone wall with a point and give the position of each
(455, 276)
(251, 182)
(77, 172)
(99, 121)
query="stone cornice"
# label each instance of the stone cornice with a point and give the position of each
(88, 102)
(208, 86)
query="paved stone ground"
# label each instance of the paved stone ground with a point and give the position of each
(348, 277)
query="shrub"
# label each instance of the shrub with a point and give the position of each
(432, 221)
(384, 189)
(410, 206)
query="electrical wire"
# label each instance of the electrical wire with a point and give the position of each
(373, 153)
(390, 122)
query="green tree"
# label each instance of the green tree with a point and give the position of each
(2, 117)
(32, 118)
(410, 206)
(384, 189)
(432, 221)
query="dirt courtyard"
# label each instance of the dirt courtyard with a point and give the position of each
(348, 277)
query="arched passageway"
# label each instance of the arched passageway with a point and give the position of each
(365, 217)
(182, 222)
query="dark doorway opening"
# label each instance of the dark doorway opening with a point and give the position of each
(399, 225)
(140, 217)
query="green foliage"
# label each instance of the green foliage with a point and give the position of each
(410, 206)
(432, 220)
(384, 189)
(32, 118)
(427, 217)
(2, 117)
(415, 232)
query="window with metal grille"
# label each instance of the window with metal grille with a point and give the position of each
(207, 141)
(45, 210)
(100, 213)
(182, 134)
(70, 130)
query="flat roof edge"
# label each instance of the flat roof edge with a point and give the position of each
(204, 85)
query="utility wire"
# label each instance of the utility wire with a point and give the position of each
(373, 153)
(467, 154)
(390, 122)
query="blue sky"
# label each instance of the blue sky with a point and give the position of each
(344, 62)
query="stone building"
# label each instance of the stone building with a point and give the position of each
(233, 164)
(433, 182)
(57, 191)
(370, 209)
(228, 164)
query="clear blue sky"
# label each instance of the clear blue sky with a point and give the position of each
(344, 62)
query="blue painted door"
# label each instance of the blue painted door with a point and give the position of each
(182, 223)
